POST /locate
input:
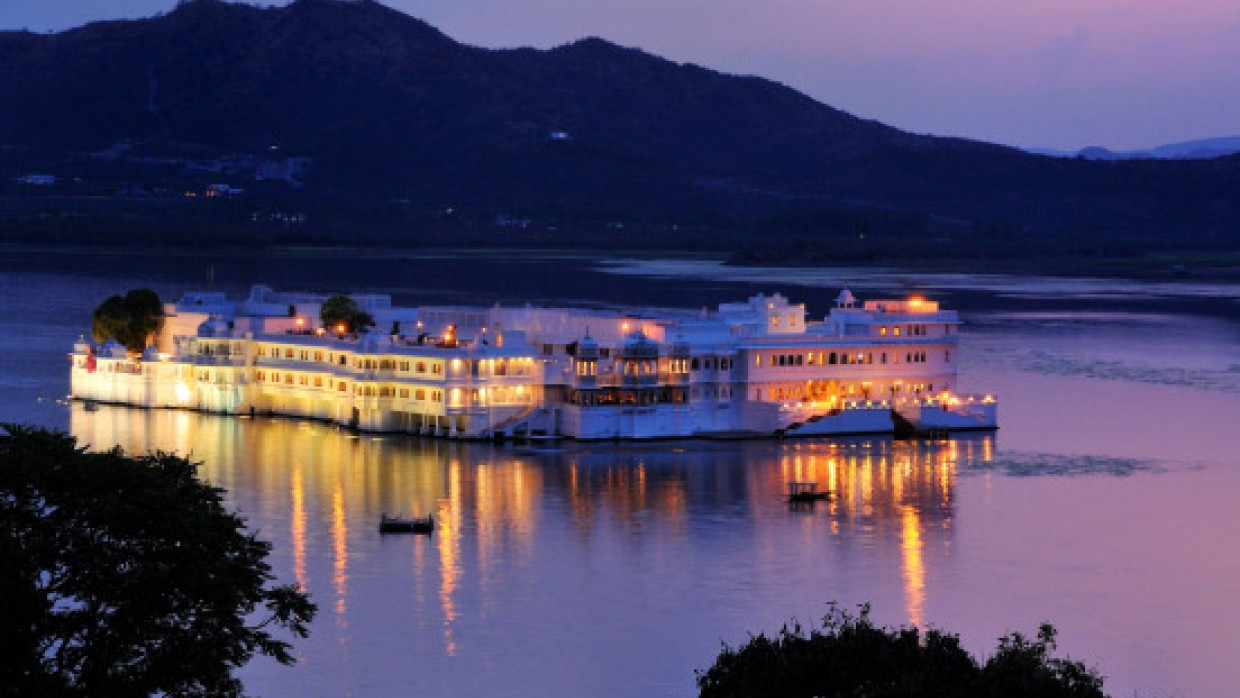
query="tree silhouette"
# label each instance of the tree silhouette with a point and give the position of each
(850, 656)
(340, 310)
(124, 576)
(130, 319)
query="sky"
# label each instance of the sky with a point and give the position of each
(1124, 74)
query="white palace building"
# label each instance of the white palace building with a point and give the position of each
(757, 368)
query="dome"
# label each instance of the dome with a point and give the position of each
(587, 348)
(214, 326)
(638, 344)
(113, 349)
(150, 354)
(846, 299)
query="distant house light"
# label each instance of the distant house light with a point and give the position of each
(37, 179)
(560, 136)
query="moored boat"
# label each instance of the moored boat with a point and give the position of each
(396, 524)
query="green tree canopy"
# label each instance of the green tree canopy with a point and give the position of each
(851, 657)
(130, 319)
(342, 310)
(123, 576)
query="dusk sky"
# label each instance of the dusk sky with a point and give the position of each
(1047, 73)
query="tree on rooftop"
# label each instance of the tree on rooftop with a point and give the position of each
(340, 310)
(123, 576)
(130, 319)
(850, 656)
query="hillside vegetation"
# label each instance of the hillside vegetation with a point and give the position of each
(349, 121)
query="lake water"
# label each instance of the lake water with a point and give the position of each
(1106, 504)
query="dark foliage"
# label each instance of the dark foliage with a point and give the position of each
(341, 310)
(850, 657)
(123, 576)
(130, 319)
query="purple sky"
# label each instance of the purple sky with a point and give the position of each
(1051, 73)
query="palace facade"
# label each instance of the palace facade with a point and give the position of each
(754, 368)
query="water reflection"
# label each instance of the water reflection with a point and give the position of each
(515, 524)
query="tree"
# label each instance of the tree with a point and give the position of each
(130, 319)
(340, 310)
(850, 656)
(127, 576)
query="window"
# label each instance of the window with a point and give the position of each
(419, 394)
(318, 381)
(343, 387)
(693, 364)
(318, 356)
(288, 353)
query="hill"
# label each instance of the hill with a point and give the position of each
(331, 120)
(1201, 149)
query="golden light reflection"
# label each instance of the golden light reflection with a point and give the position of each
(297, 528)
(913, 566)
(340, 550)
(447, 535)
(897, 498)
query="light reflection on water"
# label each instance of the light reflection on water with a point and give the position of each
(564, 524)
(1106, 505)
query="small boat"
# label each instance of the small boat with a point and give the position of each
(805, 492)
(396, 524)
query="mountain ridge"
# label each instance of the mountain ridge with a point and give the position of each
(388, 108)
(1196, 149)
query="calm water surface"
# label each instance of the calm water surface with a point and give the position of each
(1106, 504)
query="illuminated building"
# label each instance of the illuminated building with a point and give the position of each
(754, 368)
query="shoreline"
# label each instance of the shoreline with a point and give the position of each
(1184, 266)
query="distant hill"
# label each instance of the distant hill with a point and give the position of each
(341, 120)
(1202, 149)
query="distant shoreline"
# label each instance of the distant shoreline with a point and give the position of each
(1164, 266)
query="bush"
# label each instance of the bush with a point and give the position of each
(851, 657)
